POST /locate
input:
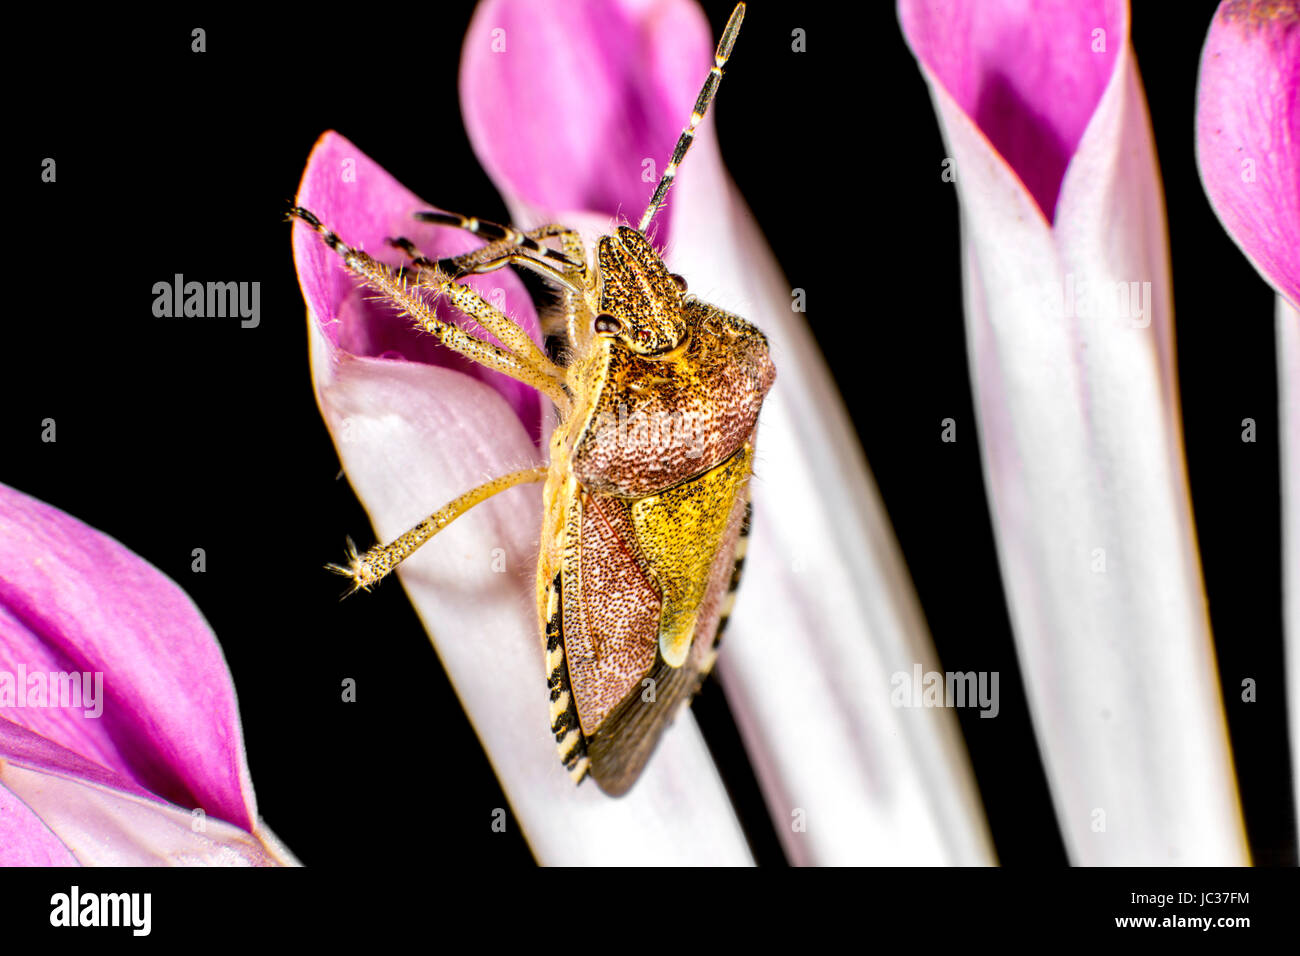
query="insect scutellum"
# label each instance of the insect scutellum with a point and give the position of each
(644, 530)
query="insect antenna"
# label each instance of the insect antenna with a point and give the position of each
(702, 102)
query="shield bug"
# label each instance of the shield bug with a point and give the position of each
(646, 499)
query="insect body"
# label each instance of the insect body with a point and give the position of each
(646, 494)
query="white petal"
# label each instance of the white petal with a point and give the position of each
(826, 612)
(389, 423)
(1288, 384)
(102, 826)
(1082, 447)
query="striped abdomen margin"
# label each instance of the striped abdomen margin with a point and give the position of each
(569, 740)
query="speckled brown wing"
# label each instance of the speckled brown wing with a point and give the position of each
(611, 608)
(620, 743)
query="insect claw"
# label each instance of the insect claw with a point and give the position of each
(344, 572)
(339, 569)
(357, 570)
(297, 212)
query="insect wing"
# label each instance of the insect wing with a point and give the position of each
(645, 591)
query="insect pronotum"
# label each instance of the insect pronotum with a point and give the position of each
(644, 531)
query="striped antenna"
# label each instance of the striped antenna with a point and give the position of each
(697, 115)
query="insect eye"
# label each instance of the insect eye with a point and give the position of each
(607, 323)
(681, 283)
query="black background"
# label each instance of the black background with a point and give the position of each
(181, 434)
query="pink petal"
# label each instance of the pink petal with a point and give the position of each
(358, 200)
(583, 94)
(25, 840)
(57, 808)
(74, 600)
(1025, 72)
(1083, 458)
(1248, 133)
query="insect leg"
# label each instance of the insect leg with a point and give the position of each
(567, 269)
(569, 239)
(438, 276)
(493, 257)
(546, 379)
(507, 235)
(491, 318)
(504, 251)
(367, 569)
(573, 266)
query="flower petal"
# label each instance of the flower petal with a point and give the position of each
(577, 106)
(74, 600)
(1078, 413)
(358, 200)
(817, 632)
(1288, 367)
(1248, 133)
(91, 816)
(25, 840)
(1028, 90)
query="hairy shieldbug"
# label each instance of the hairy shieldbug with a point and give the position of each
(646, 492)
